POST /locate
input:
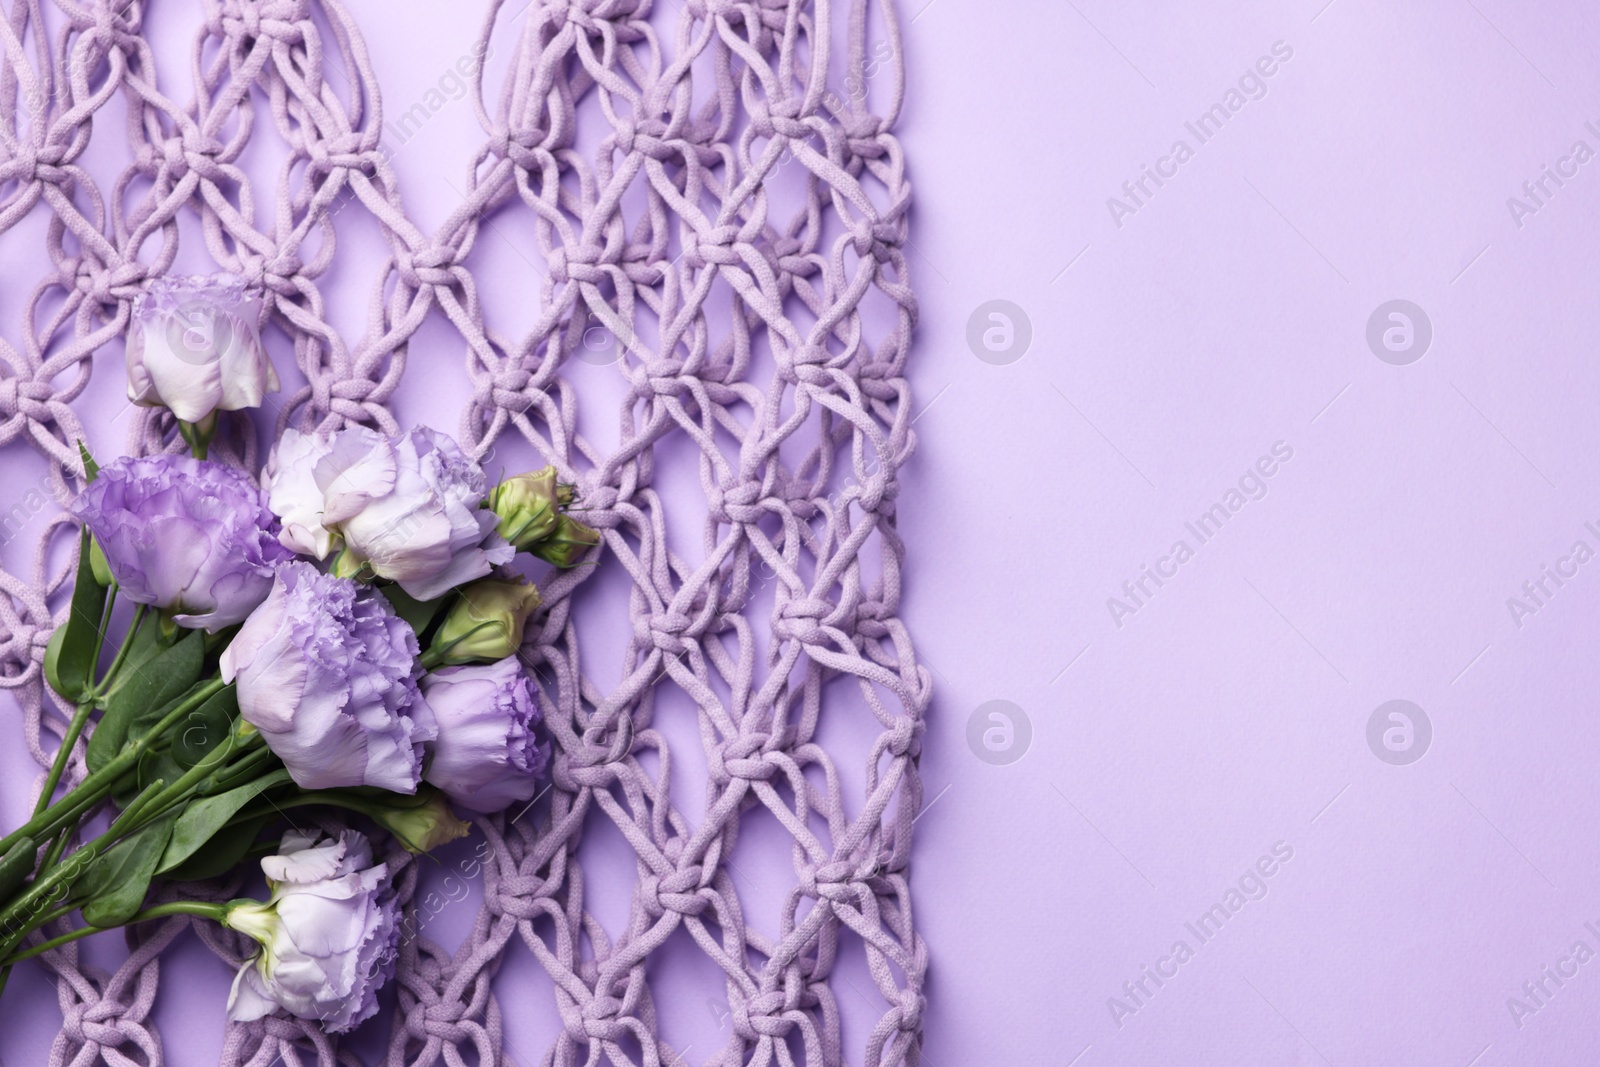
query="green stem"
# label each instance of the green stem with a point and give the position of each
(101, 783)
(161, 911)
(57, 846)
(242, 771)
(180, 790)
(100, 631)
(118, 830)
(80, 716)
(69, 740)
(122, 653)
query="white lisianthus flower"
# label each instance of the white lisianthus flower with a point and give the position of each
(193, 347)
(328, 935)
(408, 508)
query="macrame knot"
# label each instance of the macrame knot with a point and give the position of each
(781, 118)
(561, 12)
(762, 1016)
(169, 153)
(524, 148)
(876, 239)
(740, 757)
(598, 1021)
(29, 164)
(799, 620)
(738, 504)
(426, 266)
(909, 1011)
(95, 1024)
(279, 272)
(118, 284)
(905, 737)
(731, 10)
(802, 364)
(108, 24)
(786, 254)
(277, 19)
(874, 491)
(602, 743)
(72, 1025)
(596, 503)
(680, 892)
(20, 650)
(579, 264)
(713, 246)
(863, 134)
(664, 632)
(661, 377)
(30, 399)
(834, 881)
(349, 398)
(505, 388)
(643, 136)
(514, 899)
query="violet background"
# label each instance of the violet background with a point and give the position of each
(1230, 712)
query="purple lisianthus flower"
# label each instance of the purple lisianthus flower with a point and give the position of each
(328, 934)
(187, 536)
(408, 507)
(328, 673)
(487, 756)
(193, 347)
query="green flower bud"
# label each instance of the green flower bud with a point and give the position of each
(529, 506)
(100, 565)
(485, 623)
(568, 543)
(420, 827)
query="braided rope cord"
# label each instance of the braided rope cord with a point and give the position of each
(739, 232)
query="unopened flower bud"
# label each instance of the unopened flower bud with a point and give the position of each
(420, 827)
(486, 623)
(529, 506)
(568, 543)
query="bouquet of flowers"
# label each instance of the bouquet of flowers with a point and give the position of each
(343, 634)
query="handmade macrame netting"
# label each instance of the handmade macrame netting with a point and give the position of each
(738, 233)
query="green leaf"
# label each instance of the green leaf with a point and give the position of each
(69, 659)
(154, 765)
(204, 728)
(223, 852)
(114, 887)
(138, 699)
(416, 613)
(91, 469)
(16, 866)
(203, 819)
(147, 644)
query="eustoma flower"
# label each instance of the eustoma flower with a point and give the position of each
(486, 756)
(186, 536)
(408, 507)
(328, 673)
(193, 348)
(328, 934)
